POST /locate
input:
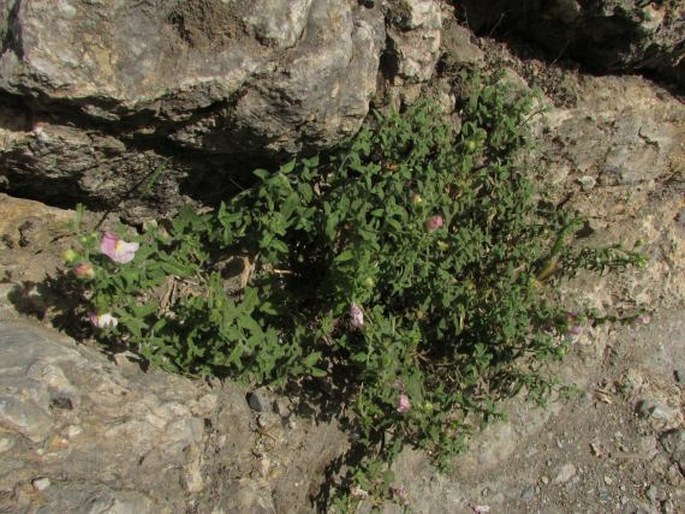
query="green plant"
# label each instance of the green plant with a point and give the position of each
(411, 271)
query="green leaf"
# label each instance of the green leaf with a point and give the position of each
(317, 373)
(311, 359)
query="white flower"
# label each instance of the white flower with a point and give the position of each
(356, 317)
(105, 320)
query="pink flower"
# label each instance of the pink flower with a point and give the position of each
(105, 320)
(400, 494)
(575, 330)
(84, 271)
(643, 320)
(356, 317)
(434, 223)
(117, 249)
(403, 404)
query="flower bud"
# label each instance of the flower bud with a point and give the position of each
(575, 330)
(356, 317)
(416, 199)
(403, 404)
(434, 223)
(70, 256)
(84, 271)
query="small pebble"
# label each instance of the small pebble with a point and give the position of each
(40, 484)
(679, 375)
(651, 493)
(262, 422)
(644, 408)
(544, 480)
(565, 473)
(666, 414)
(260, 400)
(587, 182)
(5, 444)
(608, 480)
(604, 496)
(528, 493)
(72, 431)
(282, 407)
(667, 507)
(596, 449)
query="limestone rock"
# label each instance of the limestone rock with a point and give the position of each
(415, 29)
(74, 422)
(619, 133)
(99, 95)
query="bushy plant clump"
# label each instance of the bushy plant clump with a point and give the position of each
(407, 272)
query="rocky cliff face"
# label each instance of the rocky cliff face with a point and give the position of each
(98, 99)
(604, 35)
(139, 106)
(96, 96)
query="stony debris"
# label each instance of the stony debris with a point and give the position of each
(674, 443)
(564, 474)
(261, 400)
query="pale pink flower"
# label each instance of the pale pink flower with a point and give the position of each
(356, 317)
(403, 404)
(434, 223)
(117, 249)
(105, 320)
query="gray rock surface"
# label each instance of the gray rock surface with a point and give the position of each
(134, 104)
(80, 433)
(414, 29)
(77, 433)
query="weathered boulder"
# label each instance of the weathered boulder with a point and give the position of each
(78, 432)
(605, 35)
(129, 104)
